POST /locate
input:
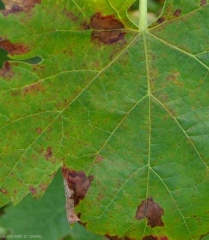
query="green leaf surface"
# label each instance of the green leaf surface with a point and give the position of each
(128, 108)
(44, 218)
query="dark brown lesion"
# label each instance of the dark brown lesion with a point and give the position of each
(48, 153)
(101, 22)
(15, 6)
(13, 48)
(160, 20)
(150, 237)
(106, 29)
(76, 186)
(117, 238)
(77, 182)
(6, 72)
(152, 211)
(108, 37)
(203, 2)
(177, 13)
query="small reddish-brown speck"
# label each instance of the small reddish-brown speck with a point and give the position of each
(203, 2)
(15, 93)
(161, 20)
(32, 190)
(33, 89)
(3, 190)
(38, 130)
(70, 15)
(99, 158)
(177, 13)
(48, 154)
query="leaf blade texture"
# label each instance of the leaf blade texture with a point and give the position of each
(128, 108)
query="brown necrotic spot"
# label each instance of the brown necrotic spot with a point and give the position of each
(149, 238)
(108, 37)
(77, 182)
(152, 211)
(6, 71)
(38, 130)
(173, 77)
(70, 15)
(48, 153)
(13, 48)
(117, 238)
(14, 6)
(33, 89)
(106, 29)
(13, 9)
(15, 93)
(155, 238)
(161, 20)
(203, 2)
(177, 13)
(99, 158)
(100, 22)
(3, 190)
(33, 190)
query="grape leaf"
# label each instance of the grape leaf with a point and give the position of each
(124, 112)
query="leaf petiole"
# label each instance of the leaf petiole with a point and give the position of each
(143, 15)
